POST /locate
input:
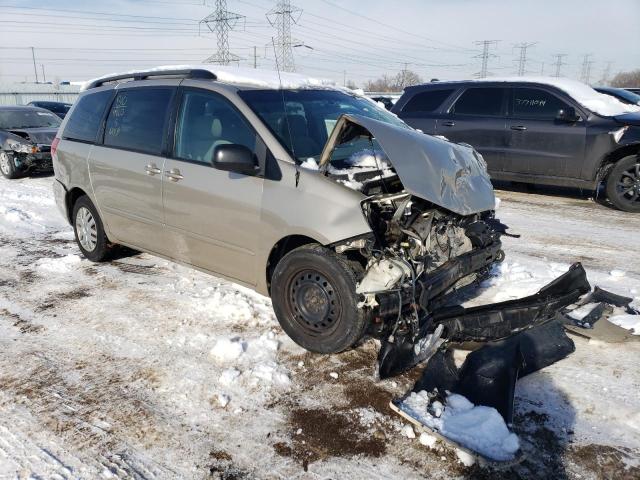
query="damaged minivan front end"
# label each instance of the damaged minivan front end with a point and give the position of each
(429, 203)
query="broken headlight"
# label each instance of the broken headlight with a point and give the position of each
(23, 148)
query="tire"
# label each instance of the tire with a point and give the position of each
(313, 291)
(8, 166)
(623, 184)
(89, 231)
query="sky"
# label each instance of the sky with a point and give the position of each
(341, 40)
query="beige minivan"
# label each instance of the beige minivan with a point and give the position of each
(351, 221)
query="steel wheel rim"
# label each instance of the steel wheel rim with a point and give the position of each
(4, 163)
(628, 185)
(313, 302)
(86, 229)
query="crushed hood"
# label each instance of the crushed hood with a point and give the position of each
(40, 135)
(629, 119)
(447, 174)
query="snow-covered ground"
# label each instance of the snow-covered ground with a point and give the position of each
(140, 368)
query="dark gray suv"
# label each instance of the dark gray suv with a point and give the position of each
(547, 131)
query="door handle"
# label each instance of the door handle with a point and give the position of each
(151, 169)
(520, 128)
(449, 123)
(173, 174)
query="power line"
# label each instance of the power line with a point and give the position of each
(281, 17)
(223, 21)
(558, 63)
(522, 60)
(606, 74)
(485, 56)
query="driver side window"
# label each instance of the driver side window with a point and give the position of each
(205, 121)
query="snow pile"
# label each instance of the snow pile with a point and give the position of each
(370, 159)
(238, 76)
(597, 102)
(627, 321)
(310, 164)
(58, 265)
(228, 349)
(479, 428)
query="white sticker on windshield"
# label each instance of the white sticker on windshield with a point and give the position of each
(45, 114)
(329, 124)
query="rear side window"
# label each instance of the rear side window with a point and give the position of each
(137, 119)
(428, 101)
(85, 121)
(535, 103)
(480, 101)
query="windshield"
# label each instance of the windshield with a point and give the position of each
(27, 119)
(310, 116)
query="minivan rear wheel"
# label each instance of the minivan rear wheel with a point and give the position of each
(89, 231)
(313, 291)
(623, 184)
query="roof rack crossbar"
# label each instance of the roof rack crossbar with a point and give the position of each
(197, 73)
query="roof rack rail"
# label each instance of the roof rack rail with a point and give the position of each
(197, 73)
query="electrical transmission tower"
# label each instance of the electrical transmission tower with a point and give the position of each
(485, 56)
(585, 74)
(220, 22)
(281, 17)
(606, 74)
(522, 60)
(559, 63)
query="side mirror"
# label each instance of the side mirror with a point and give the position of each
(234, 158)
(568, 115)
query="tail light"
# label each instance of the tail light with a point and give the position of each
(54, 146)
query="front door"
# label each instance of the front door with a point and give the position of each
(538, 143)
(478, 117)
(212, 216)
(126, 170)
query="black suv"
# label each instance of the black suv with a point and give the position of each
(558, 132)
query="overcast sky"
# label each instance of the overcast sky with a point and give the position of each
(75, 39)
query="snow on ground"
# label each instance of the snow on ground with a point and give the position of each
(140, 368)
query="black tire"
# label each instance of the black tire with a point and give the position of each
(102, 247)
(313, 291)
(623, 184)
(8, 166)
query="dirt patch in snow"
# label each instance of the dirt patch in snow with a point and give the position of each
(606, 461)
(328, 433)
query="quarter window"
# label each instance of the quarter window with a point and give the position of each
(87, 115)
(480, 101)
(207, 120)
(535, 103)
(428, 101)
(137, 119)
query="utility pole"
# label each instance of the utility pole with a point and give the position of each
(255, 57)
(559, 63)
(44, 79)
(281, 17)
(35, 69)
(585, 74)
(485, 56)
(222, 21)
(522, 60)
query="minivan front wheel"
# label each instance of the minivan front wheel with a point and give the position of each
(313, 291)
(623, 184)
(89, 231)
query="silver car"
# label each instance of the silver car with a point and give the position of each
(351, 221)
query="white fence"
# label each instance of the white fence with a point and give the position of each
(23, 93)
